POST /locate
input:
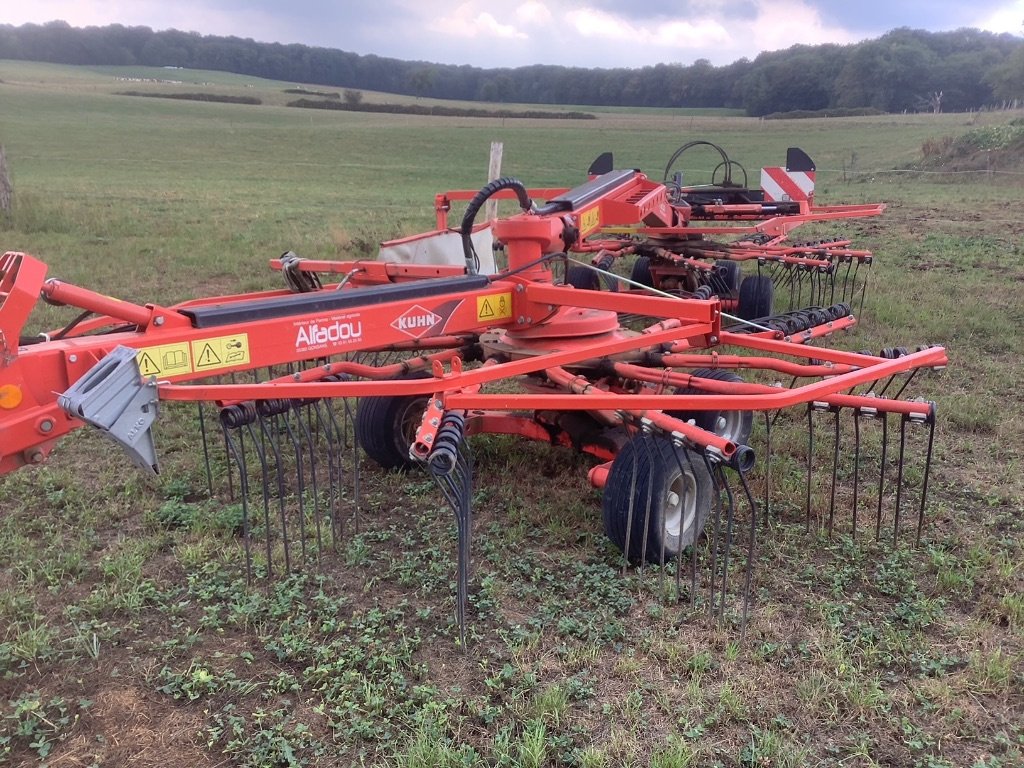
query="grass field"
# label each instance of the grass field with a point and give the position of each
(128, 640)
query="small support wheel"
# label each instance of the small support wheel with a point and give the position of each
(656, 500)
(641, 272)
(587, 279)
(727, 277)
(734, 426)
(757, 297)
(385, 426)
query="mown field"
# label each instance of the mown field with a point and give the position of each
(129, 636)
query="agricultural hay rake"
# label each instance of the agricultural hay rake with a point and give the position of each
(690, 253)
(402, 362)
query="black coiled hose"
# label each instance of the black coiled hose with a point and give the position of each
(481, 197)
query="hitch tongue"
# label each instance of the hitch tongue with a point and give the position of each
(114, 398)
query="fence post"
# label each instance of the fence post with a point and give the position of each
(493, 172)
(6, 190)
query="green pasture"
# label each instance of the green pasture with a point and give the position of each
(129, 637)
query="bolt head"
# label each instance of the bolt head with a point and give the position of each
(45, 426)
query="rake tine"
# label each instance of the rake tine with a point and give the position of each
(300, 490)
(274, 442)
(835, 472)
(451, 467)
(676, 446)
(323, 427)
(906, 383)
(810, 464)
(751, 550)
(340, 434)
(863, 291)
(899, 479)
(356, 474)
(856, 466)
(647, 441)
(927, 470)
(629, 516)
(714, 534)
(229, 421)
(881, 474)
(693, 548)
(206, 449)
(730, 517)
(767, 469)
(264, 482)
(231, 479)
(847, 285)
(304, 424)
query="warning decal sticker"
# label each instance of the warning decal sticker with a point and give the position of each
(164, 360)
(220, 352)
(497, 306)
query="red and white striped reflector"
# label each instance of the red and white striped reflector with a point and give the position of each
(780, 185)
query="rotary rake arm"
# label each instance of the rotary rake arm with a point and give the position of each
(417, 358)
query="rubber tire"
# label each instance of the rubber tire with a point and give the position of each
(641, 271)
(587, 279)
(730, 279)
(381, 426)
(655, 463)
(739, 424)
(757, 297)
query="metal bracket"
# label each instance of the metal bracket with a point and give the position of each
(114, 398)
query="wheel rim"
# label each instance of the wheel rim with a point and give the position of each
(680, 505)
(409, 421)
(731, 425)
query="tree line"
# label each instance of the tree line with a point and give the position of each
(905, 69)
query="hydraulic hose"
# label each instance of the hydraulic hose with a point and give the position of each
(505, 182)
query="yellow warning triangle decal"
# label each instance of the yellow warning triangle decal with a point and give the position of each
(486, 310)
(207, 357)
(147, 366)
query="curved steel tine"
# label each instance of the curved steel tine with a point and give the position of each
(273, 440)
(629, 516)
(679, 558)
(206, 449)
(856, 466)
(906, 383)
(237, 452)
(335, 469)
(847, 283)
(767, 469)
(835, 473)
(863, 292)
(730, 517)
(356, 474)
(881, 474)
(751, 551)
(712, 581)
(899, 479)
(693, 547)
(307, 434)
(265, 485)
(810, 465)
(300, 477)
(647, 441)
(324, 429)
(924, 481)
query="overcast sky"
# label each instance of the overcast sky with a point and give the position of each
(511, 33)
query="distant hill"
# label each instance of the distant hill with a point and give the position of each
(903, 70)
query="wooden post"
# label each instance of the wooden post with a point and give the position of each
(493, 172)
(6, 190)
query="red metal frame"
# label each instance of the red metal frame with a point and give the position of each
(526, 325)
